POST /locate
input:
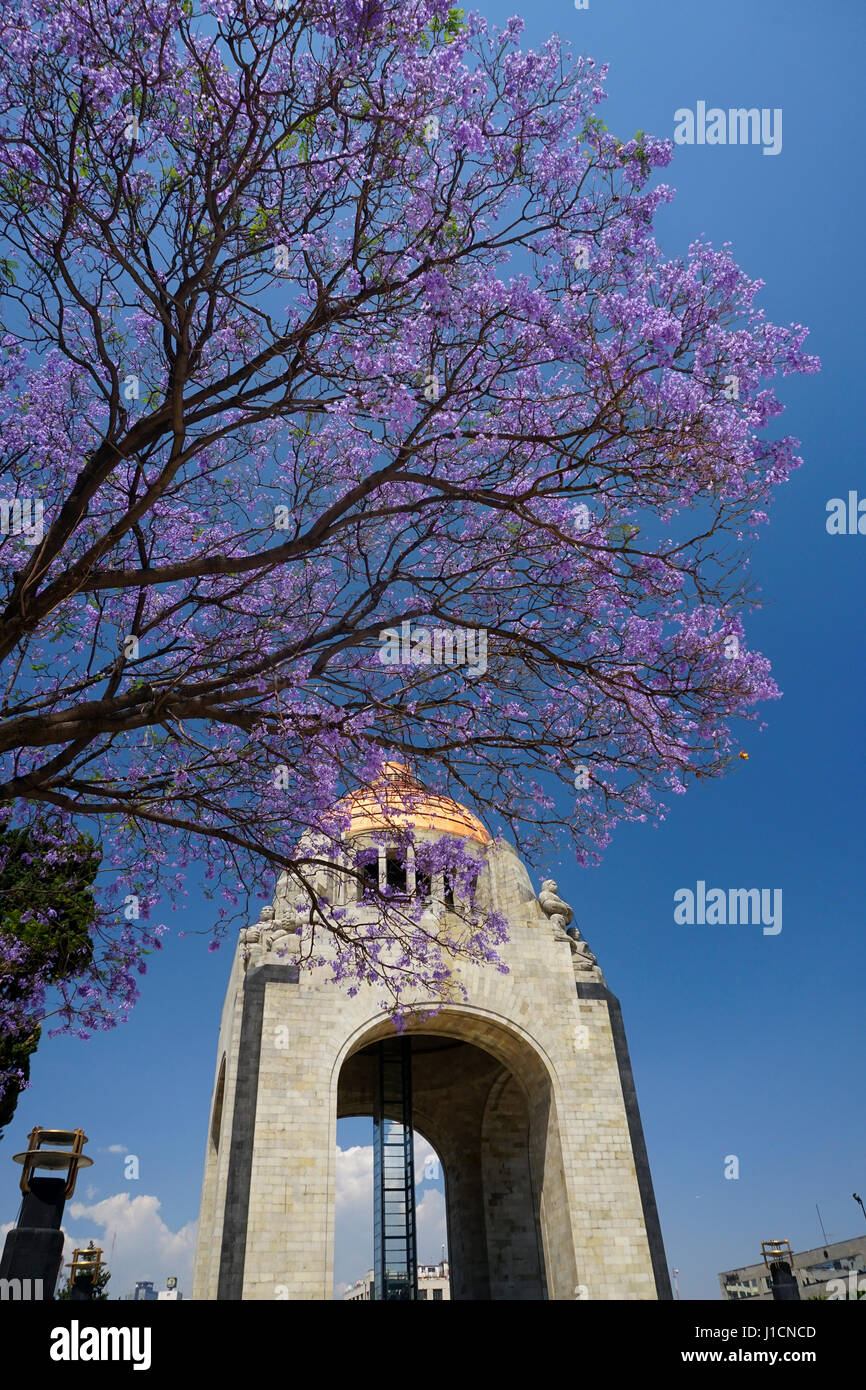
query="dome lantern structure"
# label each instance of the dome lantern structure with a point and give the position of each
(397, 800)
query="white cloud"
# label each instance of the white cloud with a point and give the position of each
(427, 1166)
(431, 1227)
(354, 1176)
(115, 1149)
(353, 1246)
(144, 1247)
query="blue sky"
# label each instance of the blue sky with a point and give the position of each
(742, 1044)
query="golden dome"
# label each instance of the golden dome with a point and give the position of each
(398, 799)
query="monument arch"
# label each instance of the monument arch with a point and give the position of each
(524, 1089)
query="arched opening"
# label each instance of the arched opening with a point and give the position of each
(482, 1097)
(217, 1117)
(353, 1215)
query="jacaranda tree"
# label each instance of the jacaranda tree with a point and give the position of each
(326, 325)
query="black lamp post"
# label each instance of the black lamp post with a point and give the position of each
(779, 1260)
(858, 1198)
(34, 1248)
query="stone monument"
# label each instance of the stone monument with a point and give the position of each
(524, 1089)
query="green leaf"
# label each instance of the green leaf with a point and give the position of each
(621, 534)
(62, 945)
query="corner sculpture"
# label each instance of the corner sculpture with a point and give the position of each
(269, 937)
(560, 914)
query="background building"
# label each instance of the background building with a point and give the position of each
(813, 1269)
(434, 1285)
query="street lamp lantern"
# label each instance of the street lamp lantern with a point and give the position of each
(780, 1262)
(87, 1262)
(84, 1270)
(67, 1155)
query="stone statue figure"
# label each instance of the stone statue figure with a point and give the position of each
(271, 936)
(583, 956)
(278, 934)
(252, 936)
(560, 915)
(552, 906)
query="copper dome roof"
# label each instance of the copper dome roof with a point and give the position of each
(397, 799)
